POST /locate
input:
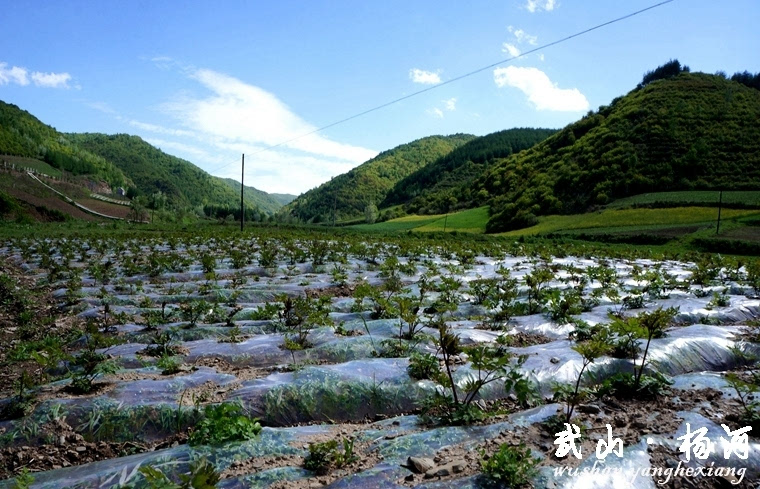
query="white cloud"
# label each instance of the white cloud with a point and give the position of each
(534, 5)
(13, 75)
(238, 112)
(522, 37)
(51, 80)
(436, 112)
(450, 104)
(541, 91)
(510, 49)
(20, 76)
(235, 117)
(160, 129)
(424, 77)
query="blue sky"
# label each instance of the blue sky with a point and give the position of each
(209, 80)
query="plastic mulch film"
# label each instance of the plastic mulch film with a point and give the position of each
(694, 348)
(426, 443)
(123, 472)
(351, 391)
(142, 409)
(721, 453)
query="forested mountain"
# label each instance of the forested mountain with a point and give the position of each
(427, 190)
(675, 131)
(269, 203)
(365, 186)
(22, 134)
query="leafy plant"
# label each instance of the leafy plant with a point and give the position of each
(589, 350)
(510, 465)
(224, 423)
(625, 386)
(647, 325)
(169, 364)
(423, 366)
(24, 480)
(747, 392)
(325, 456)
(202, 475)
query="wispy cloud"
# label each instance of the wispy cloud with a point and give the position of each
(449, 105)
(541, 91)
(538, 5)
(102, 107)
(235, 111)
(436, 112)
(161, 129)
(424, 77)
(21, 76)
(523, 37)
(510, 49)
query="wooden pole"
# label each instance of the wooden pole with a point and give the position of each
(242, 177)
(720, 204)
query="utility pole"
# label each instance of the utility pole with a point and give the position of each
(720, 204)
(242, 209)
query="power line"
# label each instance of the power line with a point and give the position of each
(455, 79)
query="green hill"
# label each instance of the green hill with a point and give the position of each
(23, 135)
(426, 191)
(183, 183)
(689, 131)
(369, 183)
(269, 203)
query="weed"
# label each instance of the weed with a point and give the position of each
(510, 466)
(325, 456)
(202, 475)
(423, 366)
(169, 365)
(746, 392)
(224, 423)
(24, 480)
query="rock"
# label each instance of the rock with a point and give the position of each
(409, 478)
(481, 404)
(554, 360)
(454, 467)
(588, 409)
(81, 449)
(420, 465)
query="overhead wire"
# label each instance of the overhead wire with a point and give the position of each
(455, 79)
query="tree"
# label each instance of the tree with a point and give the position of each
(370, 213)
(668, 70)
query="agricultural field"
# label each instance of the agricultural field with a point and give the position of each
(745, 198)
(286, 358)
